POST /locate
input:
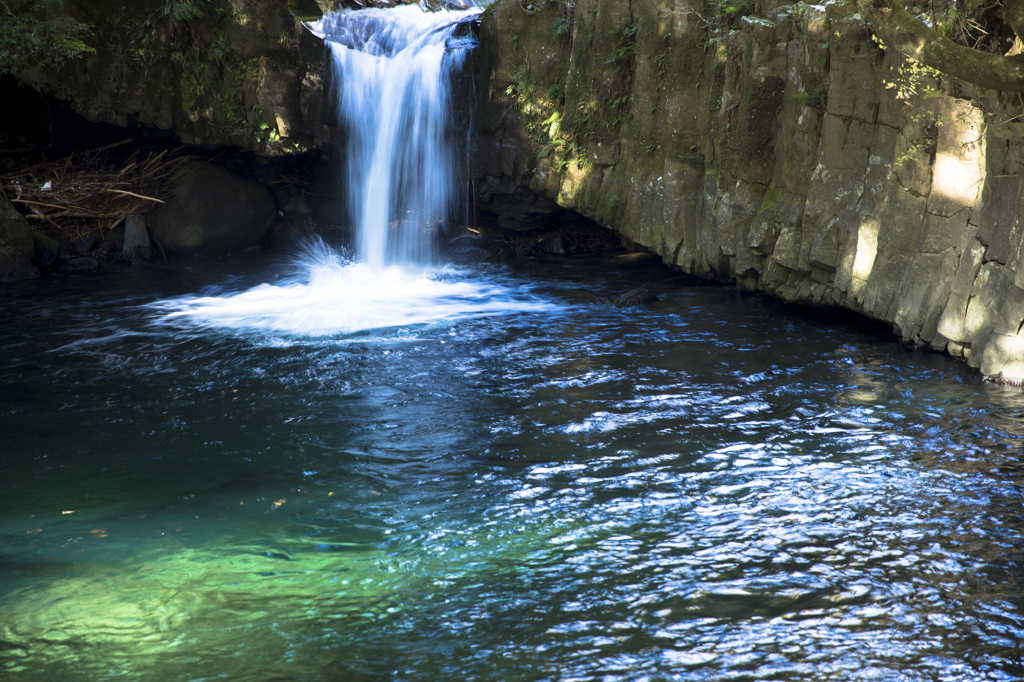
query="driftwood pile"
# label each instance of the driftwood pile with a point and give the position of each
(87, 193)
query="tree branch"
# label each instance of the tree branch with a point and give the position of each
(905, 34)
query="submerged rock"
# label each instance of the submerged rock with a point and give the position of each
(82, 265)
(212, 211)
(635, 297)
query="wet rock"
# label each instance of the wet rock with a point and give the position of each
(113, 240)
(80, 265)
(297, 205)
(136, 239)
(469, 249)
(212, 211)
(85, 244)
(14, 229)
(635, 297)
(292, 230)
(46, 249)
(557, 246)
(65, 248)
(520, 211)
(15, 265)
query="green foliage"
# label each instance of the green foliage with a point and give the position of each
(38, 33)
(556, 94)
(181, 11)
(489, 7)
(805, 99)
(264, 133)
(624, 50)
(560, 28)
(520, 88)
(734, 9)
(914, 84)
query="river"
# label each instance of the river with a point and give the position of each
(717, 486)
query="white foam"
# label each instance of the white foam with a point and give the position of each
(333, 295)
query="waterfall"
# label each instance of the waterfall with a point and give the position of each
(393, 72)
(393, 79)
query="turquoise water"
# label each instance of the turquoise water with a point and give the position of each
(717, 487)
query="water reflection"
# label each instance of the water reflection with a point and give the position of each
(715, 488)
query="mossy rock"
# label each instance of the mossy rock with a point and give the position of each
(14, 229)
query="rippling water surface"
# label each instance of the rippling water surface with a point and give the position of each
(540, 486)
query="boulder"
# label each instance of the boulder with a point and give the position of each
(14, 229)
(212, 211)
(15, 265)
(136, 239)
(113, 240)
(468, 249)
(46, 249)
(636, 297)
(80, 265)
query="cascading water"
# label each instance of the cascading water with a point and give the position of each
(393, 81)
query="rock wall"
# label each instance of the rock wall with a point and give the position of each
(244, 73)
(786, 152)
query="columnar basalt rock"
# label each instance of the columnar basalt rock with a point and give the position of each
(786, 152)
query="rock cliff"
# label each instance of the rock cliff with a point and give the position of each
(227, 72)
(785, 151)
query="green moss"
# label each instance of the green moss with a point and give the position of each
(770, 202)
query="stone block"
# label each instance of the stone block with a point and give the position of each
(951, 322)
(994, 281)
(833, 139)
(824, 252)
(896, 239)
(136, 239)
(967, 270)
(1003, 357)
(1011, 313)
(852, 78)
(787, 248)
(958, 170)
(924, 293)
(941, 232)
(996, 215)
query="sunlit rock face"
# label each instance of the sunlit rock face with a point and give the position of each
(784, 152)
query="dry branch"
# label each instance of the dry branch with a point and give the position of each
(88, 193)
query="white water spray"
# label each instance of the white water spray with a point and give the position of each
(393, 69)
(333, 295)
